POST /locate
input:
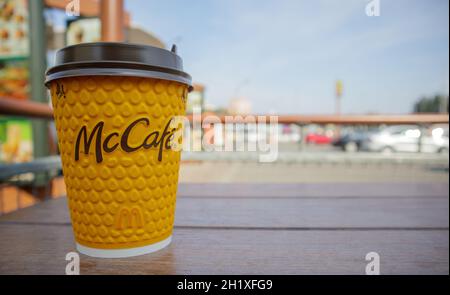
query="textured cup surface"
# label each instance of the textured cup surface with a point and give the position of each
(120, 169)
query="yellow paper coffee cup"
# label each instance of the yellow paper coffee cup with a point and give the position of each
(115, 120)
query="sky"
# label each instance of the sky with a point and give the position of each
(285, 56)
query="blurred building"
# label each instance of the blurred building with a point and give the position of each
(196, 98)
(84, 30)
(240, 106)
(136, 34)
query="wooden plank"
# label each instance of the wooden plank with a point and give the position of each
(33, 249)
(314, 213)
(301, 190)
(280, 213)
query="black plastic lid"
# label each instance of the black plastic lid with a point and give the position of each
(118, 59)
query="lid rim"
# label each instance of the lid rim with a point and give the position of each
(113, 65)
(104, 44)
(110, 62)
(77, 72)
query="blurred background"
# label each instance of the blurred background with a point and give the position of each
(362, 94)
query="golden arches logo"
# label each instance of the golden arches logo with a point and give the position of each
(128, 218)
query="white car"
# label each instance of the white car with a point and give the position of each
(405, 138)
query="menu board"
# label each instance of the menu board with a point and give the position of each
(14, 49)
(16, 143)
(13, 28)
(14, 79)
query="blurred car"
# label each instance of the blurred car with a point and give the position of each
(288, 133)
(318, 138)
(436, 139)
(351, 142)
(405, 138)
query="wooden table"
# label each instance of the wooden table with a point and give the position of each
(259, 229)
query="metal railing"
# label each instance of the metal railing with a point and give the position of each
(42, 164)
(44, 111)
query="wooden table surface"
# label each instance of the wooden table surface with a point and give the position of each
(259, 229)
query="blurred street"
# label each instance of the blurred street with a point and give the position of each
(241, 172)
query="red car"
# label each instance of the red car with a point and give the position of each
(318, 138)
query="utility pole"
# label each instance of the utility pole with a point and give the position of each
(38, 93)
(339, 89)
(112, 20)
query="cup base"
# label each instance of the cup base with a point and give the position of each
(121, 253)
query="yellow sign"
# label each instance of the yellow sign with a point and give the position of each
(339, 88)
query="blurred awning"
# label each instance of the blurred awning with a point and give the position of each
(33, 109)
(88, 8)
